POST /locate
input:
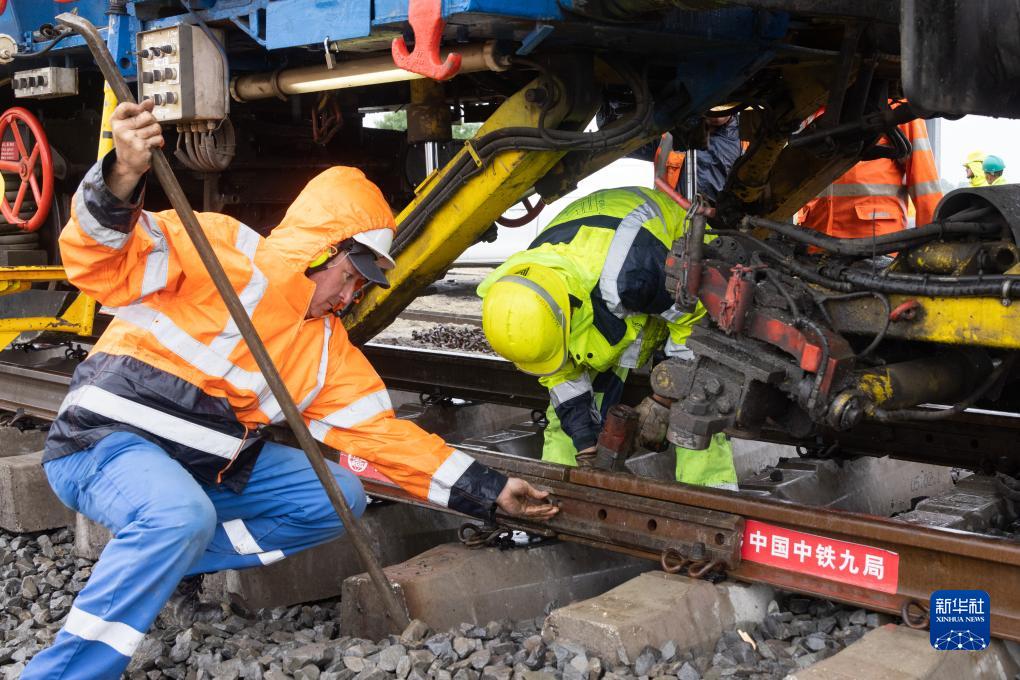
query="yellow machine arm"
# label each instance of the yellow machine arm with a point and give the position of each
(460, 221)
(76, 318)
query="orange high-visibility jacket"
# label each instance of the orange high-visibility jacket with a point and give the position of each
(172, 366)
(674, 164)
(871, 198)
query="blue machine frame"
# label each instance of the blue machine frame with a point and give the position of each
(273, 24)
(279, 24)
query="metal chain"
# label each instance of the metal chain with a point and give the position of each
(74, 351)
(497, 536)
(918, 620)
(485, 536)
(674, 561)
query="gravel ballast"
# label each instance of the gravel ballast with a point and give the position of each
(39, 578)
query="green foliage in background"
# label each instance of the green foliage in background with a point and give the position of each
(397, 120)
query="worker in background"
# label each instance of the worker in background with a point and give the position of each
(974, 167)
(715, 162)
(993, 167)
(871, 198)
(160, 438)
(586, 303)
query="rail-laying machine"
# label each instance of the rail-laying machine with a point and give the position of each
(861, 346)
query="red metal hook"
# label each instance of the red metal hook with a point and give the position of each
(426, 19)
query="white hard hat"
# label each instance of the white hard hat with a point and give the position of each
(379, 240)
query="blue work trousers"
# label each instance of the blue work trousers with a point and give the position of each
(167, 526)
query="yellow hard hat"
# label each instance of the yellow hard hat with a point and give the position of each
(526, 318)
(975, 157)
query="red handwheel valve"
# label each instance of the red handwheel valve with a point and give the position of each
(426, 19)
(531, 211)
(16, 158)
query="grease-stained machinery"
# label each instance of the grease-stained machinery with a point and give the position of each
(808, 339)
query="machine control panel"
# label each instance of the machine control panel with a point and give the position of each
(181, 70)
(47, 82)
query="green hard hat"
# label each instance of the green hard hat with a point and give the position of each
(993, 164)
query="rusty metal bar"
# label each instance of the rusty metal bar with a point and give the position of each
(930, 559)
(973, 440)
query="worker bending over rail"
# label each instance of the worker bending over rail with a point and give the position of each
(586, 303)
(159, 438)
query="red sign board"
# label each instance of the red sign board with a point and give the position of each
(852, 563)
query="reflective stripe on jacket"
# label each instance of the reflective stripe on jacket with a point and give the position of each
(610, 247)
(173, 368)
(871, 198)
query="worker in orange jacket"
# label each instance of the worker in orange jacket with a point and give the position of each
(160, 437)
(871, 198)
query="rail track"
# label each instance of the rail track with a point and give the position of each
(872, 562)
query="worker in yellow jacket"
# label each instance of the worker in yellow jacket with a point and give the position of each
(973, 166)
(587, 302)
(161, 438)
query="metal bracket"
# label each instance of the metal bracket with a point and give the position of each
(534, 38)
(474, 154)
(330, 62)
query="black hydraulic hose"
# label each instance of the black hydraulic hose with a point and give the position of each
(49, 46)
(878, 245)
(880, 120)
(1003, 287)
(823, 364)
(521, 139)
(465, 167)
(900, 143)
(802, 322)
(974, 213)
(932, 278)
(848, 280)
(787, 262)
(565, 138)
(820, 302)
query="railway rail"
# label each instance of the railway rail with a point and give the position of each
(873, 562)
(974, 440)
